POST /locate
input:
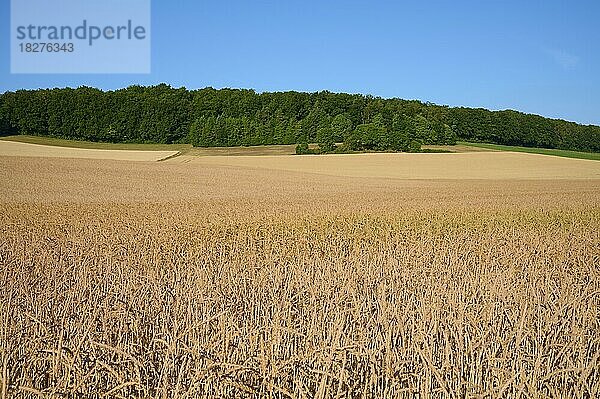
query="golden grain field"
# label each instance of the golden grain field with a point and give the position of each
(13, 148)
(213, 280)
(467, 165)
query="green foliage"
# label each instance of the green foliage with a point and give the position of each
(231, 117)
(367, 137)
(342, 127)
(376, 136)
(302, 149)
(402, 132)
(517, 129)
(6, 129)
(315, 120)
(414, 146)
(326, 140)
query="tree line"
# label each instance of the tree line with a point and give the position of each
(233, 117)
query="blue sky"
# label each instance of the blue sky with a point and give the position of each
(540, 57)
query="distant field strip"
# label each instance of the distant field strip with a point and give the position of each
(476, 165)
(10, 148)
(533, 150)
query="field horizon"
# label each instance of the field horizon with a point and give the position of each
(287, 149)
(459, 162)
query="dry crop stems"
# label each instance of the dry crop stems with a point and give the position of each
(144, 301)
(191, 281)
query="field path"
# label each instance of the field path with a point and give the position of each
(12, 148)
(475, 165)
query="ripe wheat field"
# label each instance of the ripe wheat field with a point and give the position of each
(199, 280)
(14, 148)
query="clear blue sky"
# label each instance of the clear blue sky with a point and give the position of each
(535, 56)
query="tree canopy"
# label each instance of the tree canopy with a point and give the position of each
(233, 117)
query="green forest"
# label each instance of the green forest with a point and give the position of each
(240, 117)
